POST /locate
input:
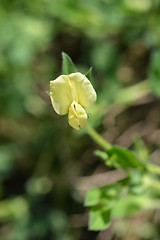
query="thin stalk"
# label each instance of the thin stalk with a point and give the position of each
(97, 138)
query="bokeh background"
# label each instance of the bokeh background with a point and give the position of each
(45, 166)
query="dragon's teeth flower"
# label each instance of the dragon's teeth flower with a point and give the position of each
(71, 94)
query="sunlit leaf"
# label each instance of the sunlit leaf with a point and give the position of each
(93, 197)
(99, 218)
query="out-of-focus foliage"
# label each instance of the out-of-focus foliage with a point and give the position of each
(39, 153)
(127, 197)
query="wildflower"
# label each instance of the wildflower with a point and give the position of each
(71, 94)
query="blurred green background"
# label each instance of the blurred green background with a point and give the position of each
(44, 163)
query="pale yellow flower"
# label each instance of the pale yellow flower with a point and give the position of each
(71, 94)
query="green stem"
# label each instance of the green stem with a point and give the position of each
(104, 144)
(154, 168)
(97, 138)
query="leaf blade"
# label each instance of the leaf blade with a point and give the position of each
(99, 218)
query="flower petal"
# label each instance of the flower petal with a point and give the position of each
(68, 88)
(77, 116)
(82, 89)
(60, 94)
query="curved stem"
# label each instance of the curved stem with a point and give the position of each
(97, 138)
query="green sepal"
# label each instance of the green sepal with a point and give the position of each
(68, 66)
(89, 74)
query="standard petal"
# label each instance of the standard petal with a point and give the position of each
(82, 90)
(60, 94)
(77, 116)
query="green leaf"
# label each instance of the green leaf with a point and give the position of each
(89, 73)
(123, 158)
(93, 197)
(128, 206)
(105, 194)
(68, 66)
(154, 72)
(99, 218)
